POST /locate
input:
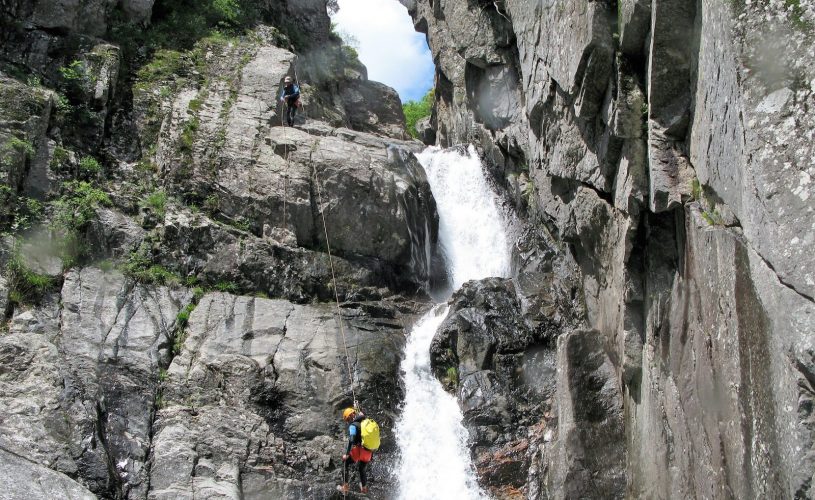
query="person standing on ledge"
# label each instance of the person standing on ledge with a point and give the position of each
(291, 97)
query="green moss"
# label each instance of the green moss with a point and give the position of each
(60, 158)
(796, 16)
(452, 375)
(183, 316)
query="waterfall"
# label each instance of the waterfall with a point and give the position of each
(435, 460)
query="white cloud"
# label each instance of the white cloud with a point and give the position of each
(393, 51)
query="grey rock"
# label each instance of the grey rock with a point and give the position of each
(669, 65)
(275, 427)
(635, 23)
(139, 11)
(24, 114)
(631, 183)
(215, 253)
(374, 107)
(764, 342)
(669, 172)
(40, 255)
(750, 136)
(371, 191)
(502, 372)
(73, 15)
(589, 452)
(24, 479)
(426, 132)
(88, 363)
(114, 234)
(3, 293)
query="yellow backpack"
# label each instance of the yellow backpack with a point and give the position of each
(370, 434)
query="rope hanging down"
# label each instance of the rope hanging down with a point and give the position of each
(334, 281)
(327, 243)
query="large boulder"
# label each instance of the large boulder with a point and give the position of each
(374, 107)
(502, 372)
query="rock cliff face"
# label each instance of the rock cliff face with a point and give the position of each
(169, 327)
(664, 147)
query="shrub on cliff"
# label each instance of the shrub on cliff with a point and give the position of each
(416, 110)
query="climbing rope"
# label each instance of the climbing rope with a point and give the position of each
(333, 274)
(286, 168)
(325, 231)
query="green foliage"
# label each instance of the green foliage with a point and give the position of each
(183, 316)
(72, 212)
(452, 375)
(89, 167)
(696, 189)
(20, 145)
(28, 212)
(150, 274)
(12, 148)
(187, 138)
(25, 286)
(416, 110)
(226, 286)
(180, 23)
(165, 65)
(60, 158)
(713, 217)
(64, 108)
(529, 192)
(796, 15)
(74, 72)
(243, 224)
(78, 205)
(156, 202)
(212, 203)
(197, 293)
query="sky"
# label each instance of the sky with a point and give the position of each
(394, 53)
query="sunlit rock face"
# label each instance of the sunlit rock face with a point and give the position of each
(173, 325)
(663, 149)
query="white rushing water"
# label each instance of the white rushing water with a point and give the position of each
(435, 461)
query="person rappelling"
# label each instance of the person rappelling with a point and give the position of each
(291, 98)
(363, 440)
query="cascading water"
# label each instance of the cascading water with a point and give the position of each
(435, 461)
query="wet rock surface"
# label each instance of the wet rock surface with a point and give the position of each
(661, 159)
(502, 371)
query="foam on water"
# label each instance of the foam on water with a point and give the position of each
(435, 460)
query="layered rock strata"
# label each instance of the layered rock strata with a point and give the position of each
(665, 146)
(169, 322)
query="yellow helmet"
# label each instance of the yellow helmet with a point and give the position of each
(347, 413)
